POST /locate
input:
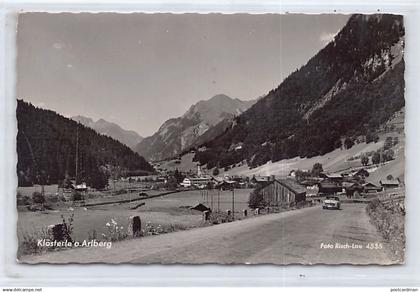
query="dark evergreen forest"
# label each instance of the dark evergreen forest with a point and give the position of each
(46, 148)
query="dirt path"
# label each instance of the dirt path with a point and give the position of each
(285, 238)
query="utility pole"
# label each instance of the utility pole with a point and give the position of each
(77, 152)
(233, 204)
(218, 200)
(211, 201)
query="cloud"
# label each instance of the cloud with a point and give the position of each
(58, 45)
(69, 66)
(327, 37)
(62, 45)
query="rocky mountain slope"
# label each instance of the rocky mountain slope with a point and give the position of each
(180, 133)
(129, 138)
(346, 91)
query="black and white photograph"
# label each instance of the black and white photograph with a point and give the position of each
(198, 138)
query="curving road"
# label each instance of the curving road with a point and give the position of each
(284, 238)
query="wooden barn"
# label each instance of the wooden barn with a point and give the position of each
(390, 183)
(283, 192)
(370, 187)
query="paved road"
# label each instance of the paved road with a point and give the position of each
(285, 238)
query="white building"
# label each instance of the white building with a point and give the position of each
(196, 181)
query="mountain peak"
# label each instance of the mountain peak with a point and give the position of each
(215, 109)
(176, 134)
(113, 130)
(220, 96)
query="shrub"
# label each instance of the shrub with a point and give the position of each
(348, 143)
(389, 221)
(114, 231)
(317, 169)
(22, 200)
(256, 200)
(67, 228)
(38, 198)
(52, 198)
(28, 244)
(77, 196)
(388, 143)
(376, 158)
(219, 217)
(388, 155)
(364, 159)
(90, 195)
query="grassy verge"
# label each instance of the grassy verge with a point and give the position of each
(389, 220)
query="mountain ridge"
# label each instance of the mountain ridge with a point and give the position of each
(113, 130)
(346, 90)
(177, 134)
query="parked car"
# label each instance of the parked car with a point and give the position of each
(331, 202)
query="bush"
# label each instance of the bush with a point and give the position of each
(317, 169)
(256, 200)
(364, 159)
(388, 143)
(38, 198)
(77, 196)
(389, 221)
(52, 198)
(219, 217)
(90, 195)
(376, 158)
(114, 231)
(22, 200)
(348, 143)
(67, 228)
(28, 244)
(388, 155)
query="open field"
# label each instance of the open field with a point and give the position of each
(166, 210)
(333, 161)
(184, 164)
(28, 191)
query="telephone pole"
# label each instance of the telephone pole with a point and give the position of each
(77, 153)
(233, 204)
(218, 200)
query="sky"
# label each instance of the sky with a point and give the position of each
(138, 70)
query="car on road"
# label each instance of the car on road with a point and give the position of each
(331, 202)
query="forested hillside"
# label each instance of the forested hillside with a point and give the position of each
(46, 148)
(346, 91)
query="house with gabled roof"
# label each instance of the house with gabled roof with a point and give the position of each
(370, 187)
(390, 183)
